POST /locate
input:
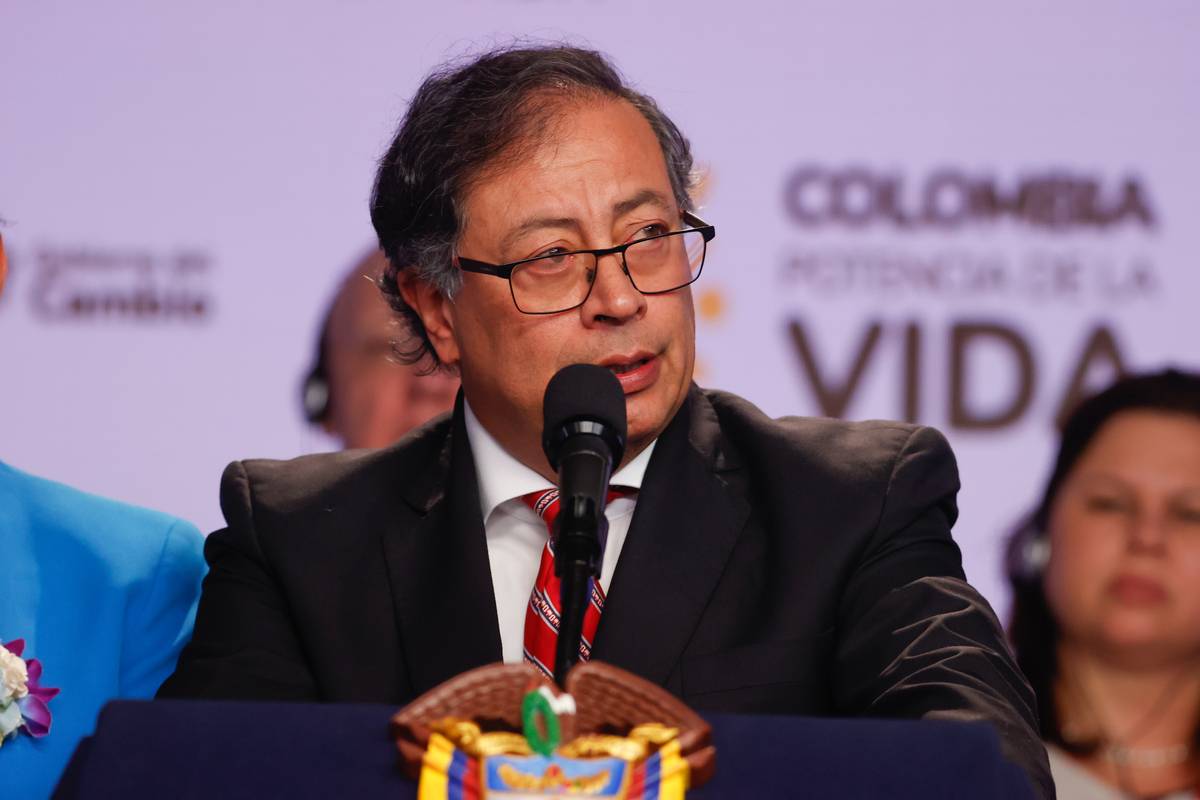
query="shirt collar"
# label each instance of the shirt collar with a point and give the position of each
(502, 477)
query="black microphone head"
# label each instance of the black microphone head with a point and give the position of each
(583, 398)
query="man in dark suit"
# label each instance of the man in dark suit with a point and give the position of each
(535, 213)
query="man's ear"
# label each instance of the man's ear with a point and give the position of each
(435, 311)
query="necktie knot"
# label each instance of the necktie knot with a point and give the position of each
(544, 502)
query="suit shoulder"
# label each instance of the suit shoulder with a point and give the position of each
(321, 479)
(853, 450)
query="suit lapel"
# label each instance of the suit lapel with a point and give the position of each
(686, 522)
(438, 564)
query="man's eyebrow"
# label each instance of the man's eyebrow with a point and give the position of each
(644, 197)
(536, 224)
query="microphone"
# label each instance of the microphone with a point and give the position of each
(583, 436)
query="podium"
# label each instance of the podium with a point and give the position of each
(194, 749)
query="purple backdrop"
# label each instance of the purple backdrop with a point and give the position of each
(927, 210)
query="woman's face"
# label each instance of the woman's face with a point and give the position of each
(1124, 571)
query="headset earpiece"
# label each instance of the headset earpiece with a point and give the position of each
(314, 394)
(1028, 553)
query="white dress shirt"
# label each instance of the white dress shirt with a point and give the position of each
(516, 535)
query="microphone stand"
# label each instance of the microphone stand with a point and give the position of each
(574, 563)
(578, 545)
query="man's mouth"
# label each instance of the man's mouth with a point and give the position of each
(635, 371)
(630, 366)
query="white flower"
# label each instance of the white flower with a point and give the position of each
(10, 719)
(14, 678)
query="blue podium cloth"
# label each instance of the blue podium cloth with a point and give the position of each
(103, 594)
(193, 749)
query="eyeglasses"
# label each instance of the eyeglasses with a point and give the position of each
(556, 282)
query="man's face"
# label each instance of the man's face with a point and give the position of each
(598, 180)
(373, 400)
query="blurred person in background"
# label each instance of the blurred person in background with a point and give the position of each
(1106, 582)
(355, 391)
(96, 600)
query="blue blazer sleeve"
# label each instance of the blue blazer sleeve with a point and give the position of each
(162, 612)
(104, 595)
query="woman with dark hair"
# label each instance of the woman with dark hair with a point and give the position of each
(1106, 604)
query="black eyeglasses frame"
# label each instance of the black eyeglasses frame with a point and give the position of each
(505, 271)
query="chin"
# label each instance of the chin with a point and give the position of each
(1136, 623)
(638, 435)
(647, 418)
(1136, 633)
(1147, 652)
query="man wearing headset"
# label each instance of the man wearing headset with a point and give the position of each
(355, 390)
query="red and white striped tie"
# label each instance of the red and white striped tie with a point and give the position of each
(541, 618)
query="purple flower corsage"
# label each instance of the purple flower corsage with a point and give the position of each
(23, 699)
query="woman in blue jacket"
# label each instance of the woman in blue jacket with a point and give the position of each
(103, 595)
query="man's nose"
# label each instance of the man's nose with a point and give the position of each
(614, 298)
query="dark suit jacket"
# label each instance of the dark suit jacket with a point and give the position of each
(794, 566)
